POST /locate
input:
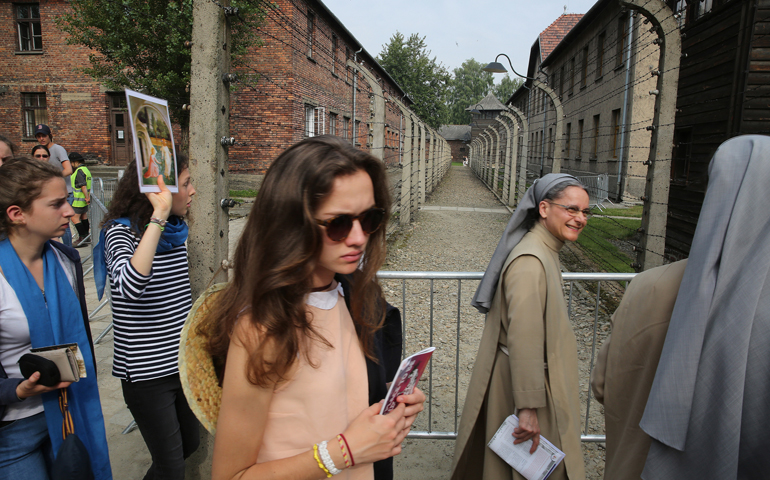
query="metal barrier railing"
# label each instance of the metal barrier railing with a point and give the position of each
(569, 278)
(598, 188)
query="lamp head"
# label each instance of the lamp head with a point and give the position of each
(495, 67)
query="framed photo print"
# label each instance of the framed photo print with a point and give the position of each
(153, 142)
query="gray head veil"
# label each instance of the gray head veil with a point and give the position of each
(513, 234)
(707, 411)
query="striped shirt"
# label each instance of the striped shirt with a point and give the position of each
(148, 311)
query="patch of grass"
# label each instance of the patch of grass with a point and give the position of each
(595, 242)
(635, 211)
(243, 193)
(457, 164)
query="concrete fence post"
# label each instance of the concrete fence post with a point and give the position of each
(506, 159)
(559, 134)
(652, 246)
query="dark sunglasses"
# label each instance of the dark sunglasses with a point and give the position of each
(338, 228)
(41, 156)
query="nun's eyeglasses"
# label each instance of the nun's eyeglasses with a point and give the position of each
(574, 211)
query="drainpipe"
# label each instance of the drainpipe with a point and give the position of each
(625, 132)
(355, 87)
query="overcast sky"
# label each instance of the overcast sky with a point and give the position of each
(456, 30)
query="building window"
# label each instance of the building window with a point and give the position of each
(334, 54)
(584, 69)
(332, 124)
(314, 121)
(615, 133)
(310, 33)
(579, 152)
(345, 127)
(34, 112)
(595, 146)
(680, 161)
(704, 6)
(561, 81)
(550, 143)
(572, 75)
(622, 38)
(28, 27)
(568, 142)
(347, 67)
(600, 55)
(357, 132)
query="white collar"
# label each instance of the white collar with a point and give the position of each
(325, 300)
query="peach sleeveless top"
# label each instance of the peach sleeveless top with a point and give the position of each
(318, 403)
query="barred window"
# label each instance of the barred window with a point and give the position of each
(28, 27)
(34, 112)
(314, 121)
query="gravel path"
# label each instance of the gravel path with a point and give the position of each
(461, 241)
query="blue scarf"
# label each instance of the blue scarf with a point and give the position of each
(53, 319)
(174, 235)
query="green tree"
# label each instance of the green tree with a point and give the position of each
(140, 45)
(421, 77)
(506, 87)
(469, 85)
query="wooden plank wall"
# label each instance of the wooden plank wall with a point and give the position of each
(712, 83)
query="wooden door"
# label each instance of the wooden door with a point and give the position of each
(122, 151)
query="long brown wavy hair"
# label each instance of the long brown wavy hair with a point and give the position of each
(128, 201)
(278, 253)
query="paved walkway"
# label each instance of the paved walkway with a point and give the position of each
(428, 208)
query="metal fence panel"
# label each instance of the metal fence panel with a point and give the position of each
(444, 318)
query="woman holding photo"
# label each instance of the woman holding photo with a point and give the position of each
(42, 303)
(305, 372)
(143, 244)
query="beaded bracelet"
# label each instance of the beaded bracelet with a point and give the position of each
(320, 465)
(350, 452)
(344, 451)
(160, 222)
(327, 459)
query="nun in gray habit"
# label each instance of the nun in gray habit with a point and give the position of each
(708, 412)
(527, 357)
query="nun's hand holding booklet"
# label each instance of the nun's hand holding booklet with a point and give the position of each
(535, 466)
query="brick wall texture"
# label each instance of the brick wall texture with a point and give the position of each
(281, 79)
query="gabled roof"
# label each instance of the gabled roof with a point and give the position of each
(455, 132)
(555, 33)
(490, 102)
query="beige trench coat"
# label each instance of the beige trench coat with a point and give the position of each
(528, 316)
(626, 366)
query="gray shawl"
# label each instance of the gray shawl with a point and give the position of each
(709, 407)
(512, 236)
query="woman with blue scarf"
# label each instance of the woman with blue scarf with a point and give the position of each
(42, 303)
(142, 248)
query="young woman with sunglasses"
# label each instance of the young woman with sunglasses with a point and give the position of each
(527, 361)
(40, 152)
(302, 326)
(42, 303)
(142, 247)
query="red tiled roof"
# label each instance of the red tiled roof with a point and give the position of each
(551, 36)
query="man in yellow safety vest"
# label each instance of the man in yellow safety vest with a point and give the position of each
(81, 189)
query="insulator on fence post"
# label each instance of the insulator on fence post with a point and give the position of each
(227, 141)
(228, 78)
(635, 265)
(657, 41)
(655, 92)
(655, 73)
(230, 11)
(640, 230)
(226, 203)
(651, 128)
(186, 107)
(188, 44)
(643, 198)
(647, 162)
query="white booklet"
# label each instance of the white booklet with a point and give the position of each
(535, 466)
(407, 376)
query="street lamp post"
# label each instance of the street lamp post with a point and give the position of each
(496, 67)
